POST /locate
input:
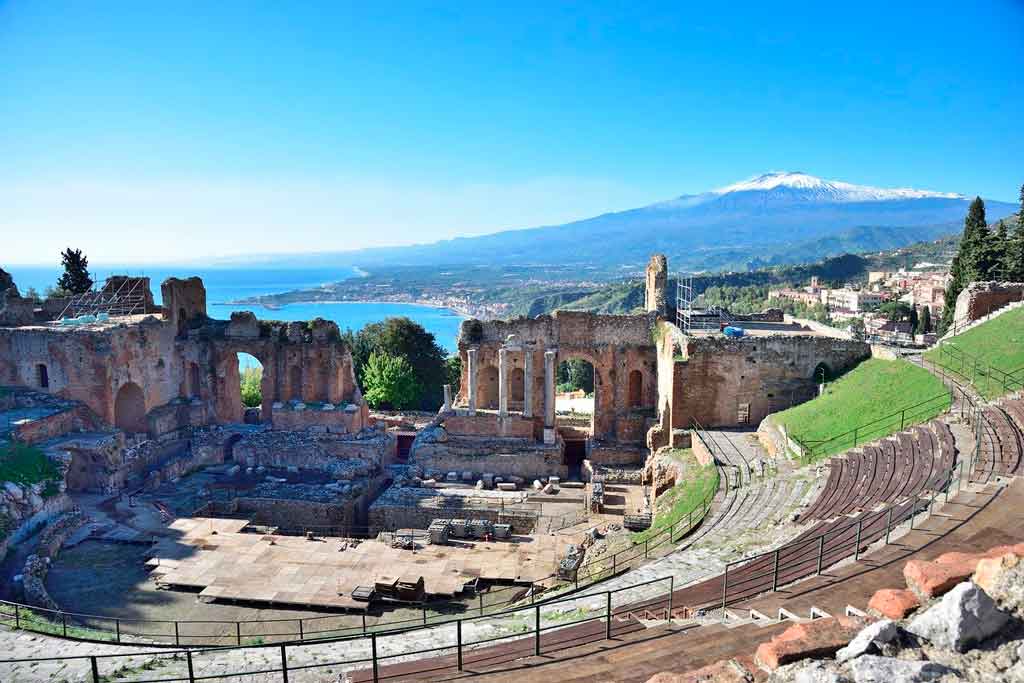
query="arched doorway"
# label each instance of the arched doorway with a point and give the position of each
(636, 389)
(250, 386)
(488, 387)
(130, 409)
(576, 390)
(229, 447)
(517, 385)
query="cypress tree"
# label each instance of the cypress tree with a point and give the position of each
(76, 278)
(971, 260)
(924, 323)
(1013, 259)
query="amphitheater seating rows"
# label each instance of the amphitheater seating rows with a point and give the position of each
(1002, 450)
(903, 466)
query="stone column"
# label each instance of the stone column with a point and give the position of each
(502, 382)
(549, 397)
(471, 378)
(528, 382)
(447, 398)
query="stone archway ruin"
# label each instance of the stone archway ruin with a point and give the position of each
(130, 409)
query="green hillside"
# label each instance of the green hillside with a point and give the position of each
(998, 343)
(869, 399)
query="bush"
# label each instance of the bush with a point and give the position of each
(390, 382)
(252, 394)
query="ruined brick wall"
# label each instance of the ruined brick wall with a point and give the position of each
(314, 450)
(723, 380)
(58, 424)
(612, 454)
(184, 302)
(615, 345)
(979, 299)
(484, 424)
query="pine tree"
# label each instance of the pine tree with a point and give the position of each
(76, 278)
(999, 248)
(1013, 260)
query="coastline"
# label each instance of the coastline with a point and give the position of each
(458, 310)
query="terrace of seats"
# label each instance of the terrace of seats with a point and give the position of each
(1002, 447)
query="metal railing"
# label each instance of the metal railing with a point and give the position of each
(369, 652)
(988, 380)
(808, 556)
(896, 421)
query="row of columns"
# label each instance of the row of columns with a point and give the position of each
(503, 389)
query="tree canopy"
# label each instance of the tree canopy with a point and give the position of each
(403, 338)
(390, 382)
(76, 278)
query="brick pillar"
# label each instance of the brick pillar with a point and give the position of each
(447, 398)
(549, 396)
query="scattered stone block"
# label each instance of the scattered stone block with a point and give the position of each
(870, 639)
(429, 483)
(1003, 579)
(537, 486)
(874, 669)
(964, 616)
(507, 486)
(452, 477)
(480, 485)
(467, 476)
(893, 603)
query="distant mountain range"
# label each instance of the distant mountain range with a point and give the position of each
(771, 219)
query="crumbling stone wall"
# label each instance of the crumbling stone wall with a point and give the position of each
(978, 299)
(721, 381)
(615, 345)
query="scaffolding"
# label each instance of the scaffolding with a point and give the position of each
(118, 296)
(691, 316)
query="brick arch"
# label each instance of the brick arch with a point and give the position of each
(130, 409)
(602, 382)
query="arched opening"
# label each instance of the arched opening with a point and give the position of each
(229, 447)
(250, 386)
(295, 382)
(517, 385)
(194, 378)
(636, 389)
(42, 376)
(575, 393)
(822, 373)
(130, 409)
(488, 387)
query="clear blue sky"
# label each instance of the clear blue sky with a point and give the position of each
(146, 131)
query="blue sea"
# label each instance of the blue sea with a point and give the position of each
(231, 283)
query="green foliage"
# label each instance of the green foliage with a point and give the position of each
(998, 342)
(32, 293)
(872, 390)
(390, 382)
(575, 374)
(857, 329)
(252, 393)
(676, 503)
(76, 278)
(403, 338)
(453, 372)
(26, 465)
(897, 311)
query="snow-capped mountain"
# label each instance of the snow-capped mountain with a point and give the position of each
(772, 218)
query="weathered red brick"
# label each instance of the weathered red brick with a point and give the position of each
(818, 638)
(893, 603)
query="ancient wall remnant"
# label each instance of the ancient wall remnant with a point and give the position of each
(978, 299)
(721, 381)
(526, 352)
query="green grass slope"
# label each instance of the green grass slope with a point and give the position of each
(876, 398)
(998, 343)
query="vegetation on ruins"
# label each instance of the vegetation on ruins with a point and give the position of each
(6, 281)
(76, 278)
(402, 338)
(699, 482)
(390, 382)
(453, 372)
(27, 465)
(575, 374)
(871, 391)
(252, 396)
(984, 254)
(998, 343)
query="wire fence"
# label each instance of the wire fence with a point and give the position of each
(988, 380)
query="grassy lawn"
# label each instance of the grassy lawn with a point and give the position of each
(26, 465)
(998, 343)
(868, 398)
(674, 504)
